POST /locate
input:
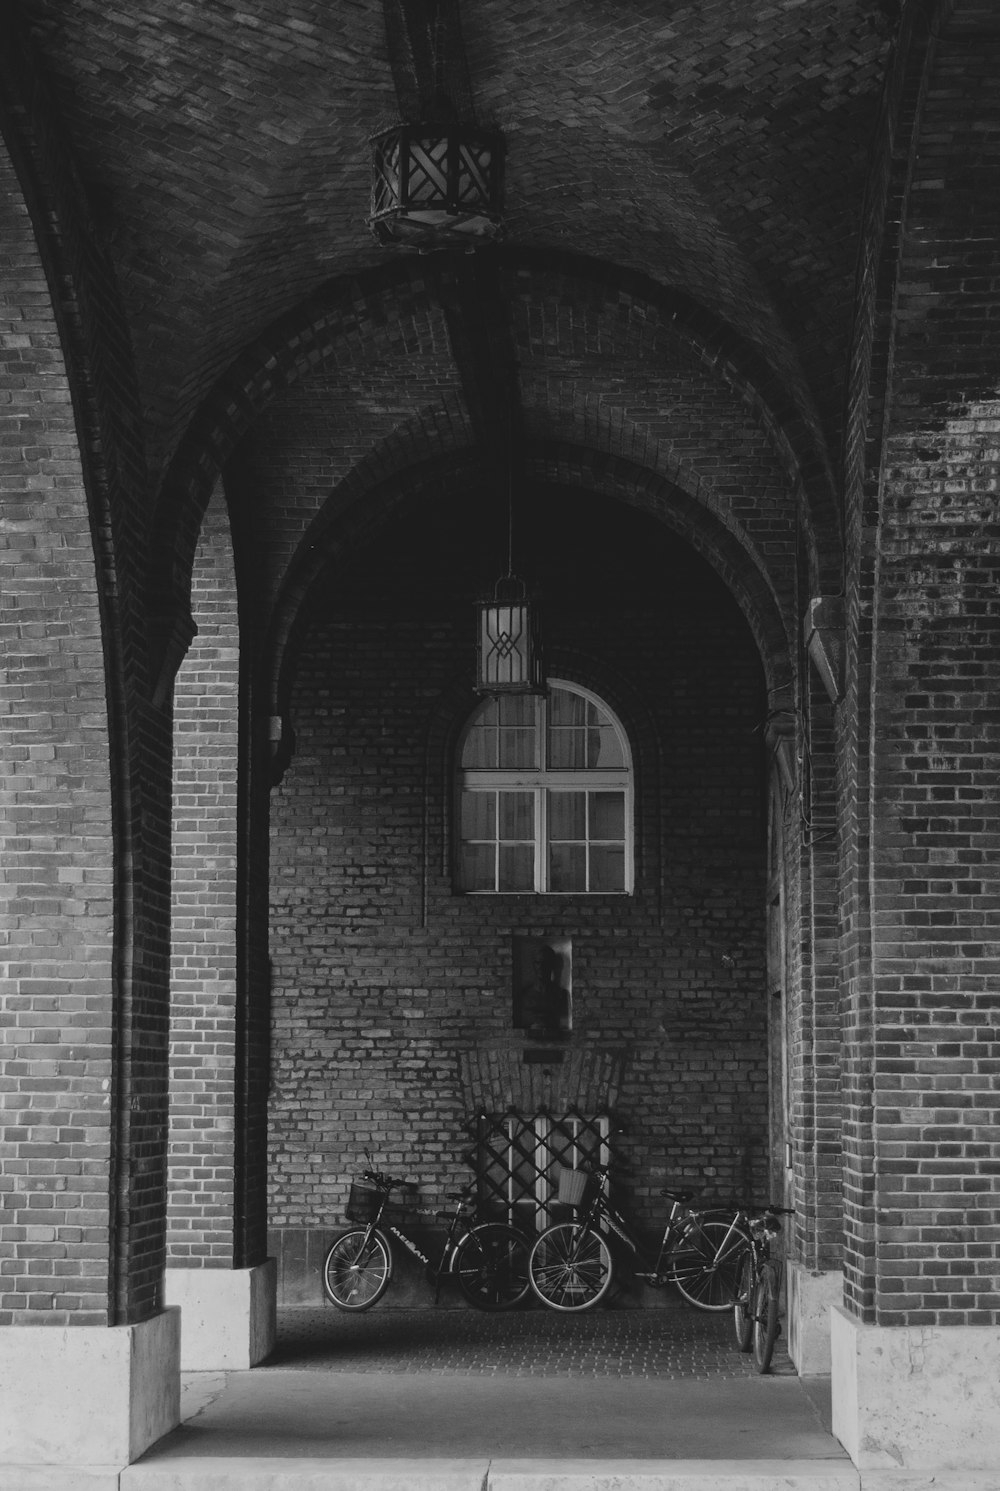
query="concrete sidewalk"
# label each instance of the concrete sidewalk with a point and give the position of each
(288, 1431)
(351, 1414)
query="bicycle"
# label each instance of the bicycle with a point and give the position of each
(758, 1290)
(489, 1260)
(571, 1265)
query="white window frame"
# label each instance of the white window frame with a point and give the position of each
(539, 781)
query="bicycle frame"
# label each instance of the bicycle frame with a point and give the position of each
(681, 1224)
(756, 1307)
(456, 1234)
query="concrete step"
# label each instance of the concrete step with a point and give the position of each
(286, 1474)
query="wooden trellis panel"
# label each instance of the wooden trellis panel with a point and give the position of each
(518, 1158)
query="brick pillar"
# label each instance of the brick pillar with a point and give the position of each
(228, 1312)
(815, 1278)
(79, 1021)
(916, 1351)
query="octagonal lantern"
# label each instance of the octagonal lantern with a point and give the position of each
(436, 185)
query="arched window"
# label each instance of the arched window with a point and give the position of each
(545, 796)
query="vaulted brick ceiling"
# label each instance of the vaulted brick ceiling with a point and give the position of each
(717, 147)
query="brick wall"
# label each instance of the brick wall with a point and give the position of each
(383, 977)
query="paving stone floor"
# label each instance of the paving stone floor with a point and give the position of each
(671, 1342)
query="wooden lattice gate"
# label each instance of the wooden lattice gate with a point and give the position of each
(519, 1156)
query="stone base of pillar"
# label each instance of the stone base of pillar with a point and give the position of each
(79, 1404)
(228, 1316)
(810, 1296)
(917, 1406)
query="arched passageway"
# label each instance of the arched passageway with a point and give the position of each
(395, 992)
(747, 297)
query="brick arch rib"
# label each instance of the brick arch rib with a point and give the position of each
(354, 527)
(329, 326)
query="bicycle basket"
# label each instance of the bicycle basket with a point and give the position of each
(362, 1203)
(572, 1184)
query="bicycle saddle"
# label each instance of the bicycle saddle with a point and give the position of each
(682, 1196)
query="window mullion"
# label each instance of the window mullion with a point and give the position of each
(496, 839)
(541, 839)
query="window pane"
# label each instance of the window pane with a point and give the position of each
(479, 815)
(480, 750)
(607, 815)
(567, 867)
(607, 867)
(517, 749)
(517, 867)
(478, 867)
(567, 815)
(517, 709)
(517, 815)
(566, 708)
(606, 748)
(568, 750)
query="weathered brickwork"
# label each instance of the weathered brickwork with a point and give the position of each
(56, 850)
(383, 975)
(920, 1114)
(72, 323)
(814, 1034)
(200, 1204)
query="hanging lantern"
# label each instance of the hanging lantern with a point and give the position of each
(508, 660)
(436, 185)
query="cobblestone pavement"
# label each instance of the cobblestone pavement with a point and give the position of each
(656, 1343)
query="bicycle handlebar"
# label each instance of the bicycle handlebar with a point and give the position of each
(384, 1182)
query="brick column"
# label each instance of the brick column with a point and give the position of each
(815, 1278)
(79, 1025)
(228, 1312)
(917, 1350)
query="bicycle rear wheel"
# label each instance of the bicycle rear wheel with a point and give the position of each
(743, 1307)
(765, 1317)
(357, 1269)
(491, 1265)
(705, 1266)
(570, 1267)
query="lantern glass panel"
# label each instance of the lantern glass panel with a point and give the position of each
(505, 646)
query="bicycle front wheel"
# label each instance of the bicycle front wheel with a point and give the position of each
(357, 1269)
(765, 1317)
(743, 1307)
(706, 1265)
(570, 1267)
(491, 1265)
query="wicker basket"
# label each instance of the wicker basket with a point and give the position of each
(362, 1203)
(572, 1184)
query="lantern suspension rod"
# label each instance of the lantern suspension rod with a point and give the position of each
(510, 492)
